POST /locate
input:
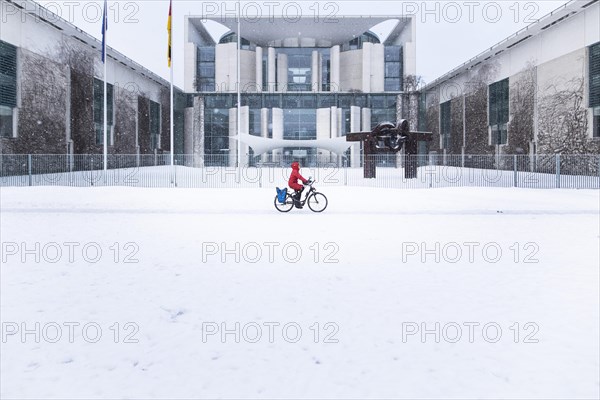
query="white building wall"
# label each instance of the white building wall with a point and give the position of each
(351, 74)
(377, 68)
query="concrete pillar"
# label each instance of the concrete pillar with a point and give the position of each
(259, 69)
(245, 129)
(277, 131)
(377, 68)
(354, 119)
(282, 72)
(233, 143)
(366, 120)
(316, 71)
(366, 67)
(335, 68)
(264, 129)
(271, 73)
(189, 71)
(324, 130)
(334, 123)
(197, 132)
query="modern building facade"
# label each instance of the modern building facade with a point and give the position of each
(302, 81)
(52, 91)
(537, 92)
(308, 83)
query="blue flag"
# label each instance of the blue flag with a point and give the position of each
(104, 29)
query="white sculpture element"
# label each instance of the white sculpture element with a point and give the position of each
(262, 145)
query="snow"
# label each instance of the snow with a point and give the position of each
(378, 290)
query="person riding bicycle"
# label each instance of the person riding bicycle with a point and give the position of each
(293, 183)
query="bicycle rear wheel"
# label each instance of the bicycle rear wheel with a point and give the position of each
(317, 202)
(286, 206)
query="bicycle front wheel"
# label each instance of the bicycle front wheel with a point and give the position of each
(285, 207)
(317, 202)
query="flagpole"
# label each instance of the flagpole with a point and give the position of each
(239, 95)
(172, 119)
(105, 139)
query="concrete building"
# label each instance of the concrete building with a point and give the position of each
(317, 82)
(537, 92)
(51, 91)
(308, 83)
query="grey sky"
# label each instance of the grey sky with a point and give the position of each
(448, 32)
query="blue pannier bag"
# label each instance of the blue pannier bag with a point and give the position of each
(281, 195)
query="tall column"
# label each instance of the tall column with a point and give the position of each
(271, 72)
(335, 68)
(259, 69)
(264, 129)
(366, 67)
(377, 68)
(316, 71)
(245, 130)
(277, 131)
(282, 72)
(323, 130)
(233, 143)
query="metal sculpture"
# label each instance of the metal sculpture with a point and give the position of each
(387, 138)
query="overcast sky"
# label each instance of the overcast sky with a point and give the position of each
(448, 32)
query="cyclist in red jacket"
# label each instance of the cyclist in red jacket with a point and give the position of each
(293, 183)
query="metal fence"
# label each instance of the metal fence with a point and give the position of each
(433, 171)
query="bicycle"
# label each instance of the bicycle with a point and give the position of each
(316, 201)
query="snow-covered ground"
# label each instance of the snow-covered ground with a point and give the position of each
(146, 286)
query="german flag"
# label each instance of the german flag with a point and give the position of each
(169, 29)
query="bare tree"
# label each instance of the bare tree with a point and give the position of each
(563, 120)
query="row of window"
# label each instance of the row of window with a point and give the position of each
(153, 113)
(270, 100)
(300, 73)
(498, 106)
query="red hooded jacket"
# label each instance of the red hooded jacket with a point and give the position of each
(295, 176)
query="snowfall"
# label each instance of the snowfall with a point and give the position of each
(116, 292)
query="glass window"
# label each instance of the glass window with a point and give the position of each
(206, 53)
(8, 75)
(499, 134)
(252, 100)
(216, 136)
(392, 85)
(219, 101)
(498, 102)
(445, 124)
(205, 69)
(392, 70)
(392, 53)
(596, 127)
(326, 100)
(595, 75)
(272, 101)
(98, 109)
(499, 111)
(6, 122)
(154, 125)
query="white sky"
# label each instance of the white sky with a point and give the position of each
(448, 32)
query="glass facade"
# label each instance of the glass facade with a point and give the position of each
(445, 124)
(393, 81)
(216, 136)
(205, 69)
(499, 111)
(299, 119)
(8, 75)
(594, 75)
(154, 115)
(299, 76)
(99, 110)
(357, 43)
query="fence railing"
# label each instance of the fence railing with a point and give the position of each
(189, 171)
